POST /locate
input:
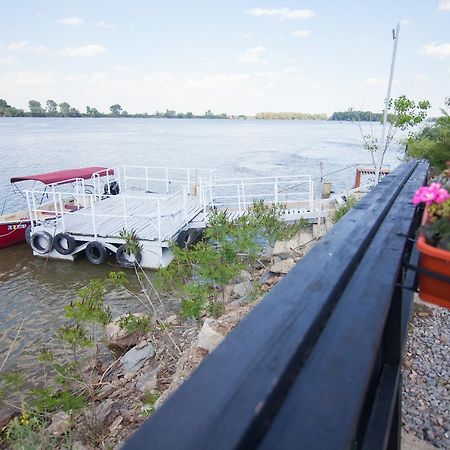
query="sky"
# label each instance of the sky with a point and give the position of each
(235, 56)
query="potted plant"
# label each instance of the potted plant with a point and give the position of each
(434, 245)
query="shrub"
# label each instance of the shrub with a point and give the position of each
(344, 209)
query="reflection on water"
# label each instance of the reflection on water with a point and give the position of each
(35, 291)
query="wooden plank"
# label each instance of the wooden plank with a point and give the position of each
(339, 368)
(248, 371)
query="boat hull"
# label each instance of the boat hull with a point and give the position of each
(12, 233)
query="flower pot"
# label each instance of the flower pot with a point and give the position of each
(435, 261)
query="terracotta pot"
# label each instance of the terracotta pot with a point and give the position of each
(437, 261)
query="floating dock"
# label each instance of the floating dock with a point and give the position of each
(159, 206)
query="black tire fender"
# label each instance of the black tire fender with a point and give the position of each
(28, 234)
(183, 239)
(125, 260)
(96, 252)
(41, 242)
(186, 238)
(64, 243)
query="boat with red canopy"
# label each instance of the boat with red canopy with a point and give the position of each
(13, 225)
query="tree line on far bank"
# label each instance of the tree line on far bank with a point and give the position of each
(64, 109)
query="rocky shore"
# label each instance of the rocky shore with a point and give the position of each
(150, 367)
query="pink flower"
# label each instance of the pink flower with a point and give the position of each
(433, 193)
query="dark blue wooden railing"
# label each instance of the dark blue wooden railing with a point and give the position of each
(316, 365)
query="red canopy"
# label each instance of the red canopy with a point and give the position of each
(67, 176)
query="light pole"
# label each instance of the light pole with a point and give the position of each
(395, 35)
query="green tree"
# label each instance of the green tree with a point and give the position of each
(115, 109)
(52, 108)
(433, 142)
(36, 109)
(64, 109)
(403, 114)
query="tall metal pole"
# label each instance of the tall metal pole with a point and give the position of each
(386, 106)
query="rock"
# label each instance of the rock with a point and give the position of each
(243, 276)
(265, 287)
(105, 413)
(60, 424)
(283, 266)
(243, 289)
(319, 230)
(77, 445)
(6, 417)
(228, 294)
(148, 381)
(117, 421)
(208, 338)
(172, 320)
(135, 358)
(105, 392)
(265, 277)
(118, 337)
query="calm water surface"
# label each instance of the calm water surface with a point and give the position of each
(34, 291)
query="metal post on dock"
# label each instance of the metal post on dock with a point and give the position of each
(185, 218)
(94, 228)
(167, 180)
(55, 205)
(189, 180)
(158, 210)
(62, 210)
(276, 191)
(125, 212)
(243, 192)
(239, 198)
(31, 212)
(125, 178)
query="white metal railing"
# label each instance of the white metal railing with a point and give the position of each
(160, 180)
(239, 193)
(161, 214)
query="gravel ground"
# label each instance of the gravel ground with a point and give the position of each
(426, 376)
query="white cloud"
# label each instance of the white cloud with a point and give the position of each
(20, 45)
(7, 59)
(70, 21)
(440, 51)
(301, 33)
(86, 51)
(282, 13)
(444, 5)
(421, 77)
(405, 22)
(247, 35)
(102, 24)
(26, 47)
(254, 55)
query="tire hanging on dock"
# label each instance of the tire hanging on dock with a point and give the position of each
(188, 237)
(125, 260)
(41, 242)
(96, 252)
(64, 243)
(28, 234)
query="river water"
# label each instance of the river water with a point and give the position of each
(33, 291)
